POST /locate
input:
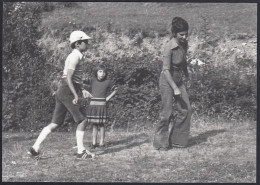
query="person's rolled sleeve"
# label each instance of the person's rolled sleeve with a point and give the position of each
(167, 54)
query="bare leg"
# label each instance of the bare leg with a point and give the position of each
(94, 134)
(102, 135)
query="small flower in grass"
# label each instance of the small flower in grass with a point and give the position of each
(13, 162)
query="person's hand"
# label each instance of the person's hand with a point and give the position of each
(86, 94)
(177, 92)
(75, 100)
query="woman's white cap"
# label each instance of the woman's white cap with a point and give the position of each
(78, 35)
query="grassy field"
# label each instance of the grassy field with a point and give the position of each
(224, 18)
(217, 152)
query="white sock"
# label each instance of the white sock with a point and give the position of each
(44, 133)
(79, 137)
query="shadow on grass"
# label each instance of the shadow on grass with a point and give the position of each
(203, 137)
(128, 146)
(128, 139)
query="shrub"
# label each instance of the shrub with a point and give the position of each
(23, 65)
(220, 91)
(224, 87)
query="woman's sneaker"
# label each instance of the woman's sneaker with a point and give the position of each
(33, 153)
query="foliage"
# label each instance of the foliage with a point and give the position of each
(23, 69)
(223, 92)
(225, 86)
(33, 60)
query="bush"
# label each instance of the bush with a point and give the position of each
(220, 88)
(24, 66)
(221, 92)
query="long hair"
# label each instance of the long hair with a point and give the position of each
(100, 67)
(178, 25)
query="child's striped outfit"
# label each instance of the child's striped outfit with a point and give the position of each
(97, 109)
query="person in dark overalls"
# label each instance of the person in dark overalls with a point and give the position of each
(172, 86)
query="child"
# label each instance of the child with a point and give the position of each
(67, 96)
(172, 86)
(97, 111)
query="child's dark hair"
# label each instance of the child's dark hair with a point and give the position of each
(73, 45)
(179, 25)
(100, 67)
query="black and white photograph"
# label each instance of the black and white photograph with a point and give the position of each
(129, 92)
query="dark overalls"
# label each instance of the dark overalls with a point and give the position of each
(175, 62)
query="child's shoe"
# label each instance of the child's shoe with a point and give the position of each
(86, 155)
(33, 153)
(102, 147)
(92, 146)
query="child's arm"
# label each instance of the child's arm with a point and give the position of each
(86, 94)
(112, 94)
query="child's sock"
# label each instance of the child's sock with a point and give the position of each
(79, 137)
(44, 133)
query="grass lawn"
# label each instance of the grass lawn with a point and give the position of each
(217, 152)
(223, 18)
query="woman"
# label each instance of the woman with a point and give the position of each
(172, 86)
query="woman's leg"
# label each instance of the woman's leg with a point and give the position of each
(179, 134)
(161, 136)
